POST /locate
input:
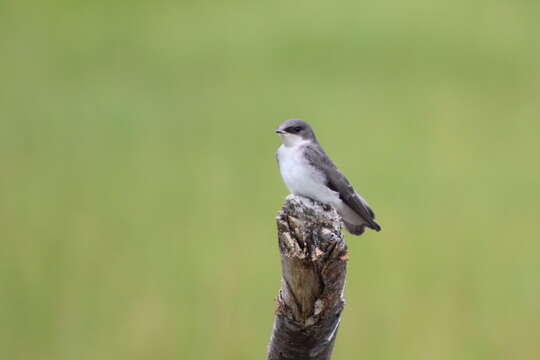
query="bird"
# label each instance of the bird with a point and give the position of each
(307, 171)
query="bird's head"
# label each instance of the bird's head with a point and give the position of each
(294, 131)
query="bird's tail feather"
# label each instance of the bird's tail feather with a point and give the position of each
(373, 225)
(355, 229)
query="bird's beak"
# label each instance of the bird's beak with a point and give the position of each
(280, 131)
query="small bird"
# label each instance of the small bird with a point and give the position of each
(307, 171)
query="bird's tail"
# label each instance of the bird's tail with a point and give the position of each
(373, 225)
(355, 229)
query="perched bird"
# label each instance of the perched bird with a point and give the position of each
(308, 171)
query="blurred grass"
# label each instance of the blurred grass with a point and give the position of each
(138, 186)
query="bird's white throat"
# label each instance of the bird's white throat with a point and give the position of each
(291, 140)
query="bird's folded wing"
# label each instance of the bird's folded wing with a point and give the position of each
(339, 183)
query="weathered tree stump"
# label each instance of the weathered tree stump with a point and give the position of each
(310, 301)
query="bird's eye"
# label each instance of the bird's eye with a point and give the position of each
(293, 129)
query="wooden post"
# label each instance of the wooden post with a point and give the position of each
(313, 259)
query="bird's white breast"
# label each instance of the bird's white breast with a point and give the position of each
(300, 177)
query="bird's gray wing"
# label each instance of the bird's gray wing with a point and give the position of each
(336, 181)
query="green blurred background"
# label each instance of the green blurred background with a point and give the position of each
(138, 186)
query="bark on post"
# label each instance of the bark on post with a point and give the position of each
(310, 302)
